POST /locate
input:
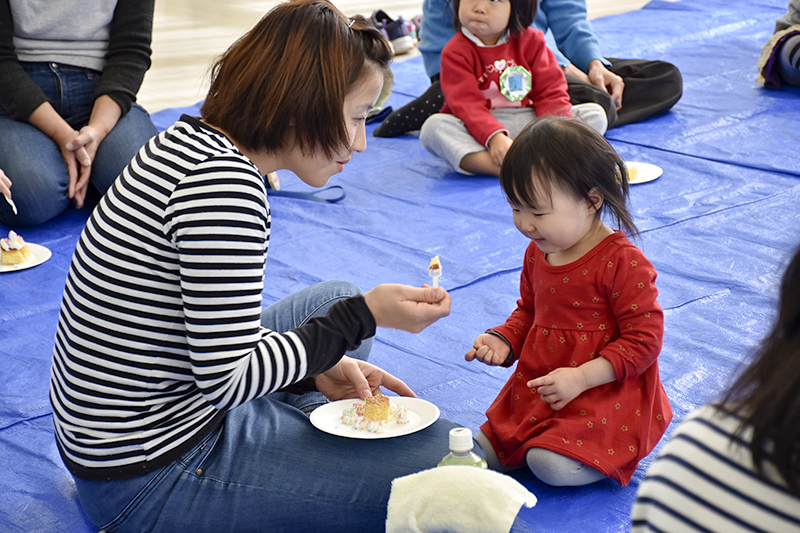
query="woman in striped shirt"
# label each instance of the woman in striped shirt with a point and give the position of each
(168, 379)
(734, 466)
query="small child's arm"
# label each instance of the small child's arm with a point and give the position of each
(640, 319)
(516, 327)
(490, 348)
(564, 384)
(498, 144)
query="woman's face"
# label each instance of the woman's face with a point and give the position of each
(318, 168)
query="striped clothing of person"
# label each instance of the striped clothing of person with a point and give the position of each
(159, 333)
(704, 480)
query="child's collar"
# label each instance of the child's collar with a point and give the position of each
(471, 36)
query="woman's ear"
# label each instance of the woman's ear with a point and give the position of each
(595, 199)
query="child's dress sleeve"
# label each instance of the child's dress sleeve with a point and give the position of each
(630, 281)
(516, 328)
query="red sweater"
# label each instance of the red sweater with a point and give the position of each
(470, 77)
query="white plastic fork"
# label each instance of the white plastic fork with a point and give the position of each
(11, 203)
(435, 270)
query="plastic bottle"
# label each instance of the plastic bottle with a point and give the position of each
(461, 450)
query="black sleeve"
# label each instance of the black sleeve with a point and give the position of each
(128, 56)
(19, 95)
(327, 338)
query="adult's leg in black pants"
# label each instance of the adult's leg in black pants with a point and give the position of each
(651, 87)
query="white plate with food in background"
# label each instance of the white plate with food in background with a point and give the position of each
(420, 414)
(642, 172)
(39, 254)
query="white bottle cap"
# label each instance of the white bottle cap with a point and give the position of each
(460, 439)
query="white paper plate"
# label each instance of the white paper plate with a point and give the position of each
(644, 172)
(39, 254)
(421, 414)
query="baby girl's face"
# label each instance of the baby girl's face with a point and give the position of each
(486, 19)
(563, 227)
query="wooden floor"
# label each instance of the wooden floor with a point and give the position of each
(188, 34)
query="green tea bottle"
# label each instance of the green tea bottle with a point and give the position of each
(461, 450)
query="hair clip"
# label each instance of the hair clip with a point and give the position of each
(352, 20)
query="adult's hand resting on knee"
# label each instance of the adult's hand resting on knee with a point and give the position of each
(600, 76)
(407, 308)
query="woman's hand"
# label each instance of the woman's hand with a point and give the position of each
(78, 162)
(353, 378)
(575, 72)
(407, 308)
(600, 76)
(78, 148)
(105, 115)
(489, 349)
(5, 185)
(79, 165)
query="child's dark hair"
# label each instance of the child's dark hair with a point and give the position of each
(522, 14)
(767, 393)
(568, 153)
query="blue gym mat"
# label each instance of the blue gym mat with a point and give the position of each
(719, 225)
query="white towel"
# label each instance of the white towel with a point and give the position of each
(462, 499)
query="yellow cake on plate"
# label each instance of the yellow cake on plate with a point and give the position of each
(14, 250)
(377, 408)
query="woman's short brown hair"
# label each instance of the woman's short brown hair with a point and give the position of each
(286, 80)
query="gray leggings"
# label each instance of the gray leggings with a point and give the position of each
(547, 466)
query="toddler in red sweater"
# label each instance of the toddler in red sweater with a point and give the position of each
(497, 75)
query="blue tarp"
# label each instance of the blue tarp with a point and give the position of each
(719, 226)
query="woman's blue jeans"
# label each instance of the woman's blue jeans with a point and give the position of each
(267, 468)
(33, 161)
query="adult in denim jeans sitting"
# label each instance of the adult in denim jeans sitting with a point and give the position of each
(179, 403)
(68, 82)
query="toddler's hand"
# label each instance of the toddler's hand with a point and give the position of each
(488, 349)
(560, 386)
(498, 147)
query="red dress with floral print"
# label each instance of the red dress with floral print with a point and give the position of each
(602, 305)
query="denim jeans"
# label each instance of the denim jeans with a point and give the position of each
(33, 161)
(268, 469)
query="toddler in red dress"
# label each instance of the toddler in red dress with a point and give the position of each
(585, 401)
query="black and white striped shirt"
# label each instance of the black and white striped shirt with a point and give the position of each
(159, 332)
(703, 480)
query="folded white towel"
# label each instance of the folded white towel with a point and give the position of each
(462, 499)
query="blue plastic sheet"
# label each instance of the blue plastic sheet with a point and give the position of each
(719, 225)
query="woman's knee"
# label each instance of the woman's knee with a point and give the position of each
(340, 289)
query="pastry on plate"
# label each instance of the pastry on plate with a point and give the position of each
(14, 250)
